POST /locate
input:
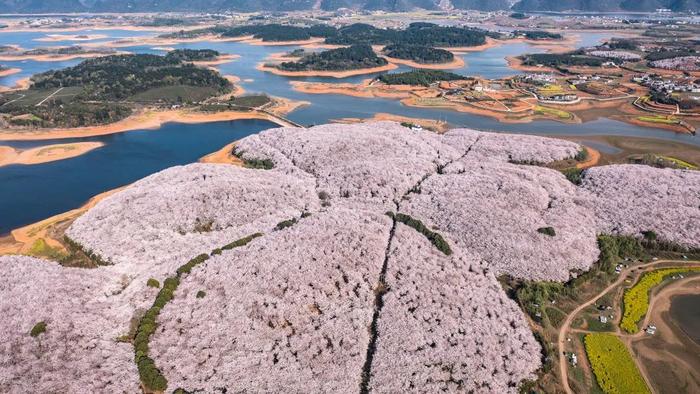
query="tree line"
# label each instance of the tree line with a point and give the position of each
(419, 77)
(419, 33)
(121, 76)
(105, 83)
(418, 53)
(350, 58)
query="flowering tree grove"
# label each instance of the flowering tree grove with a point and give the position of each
(293, 277)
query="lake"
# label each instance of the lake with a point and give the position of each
(685, 311)
(32, 193)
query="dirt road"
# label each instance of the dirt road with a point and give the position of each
(563, 370)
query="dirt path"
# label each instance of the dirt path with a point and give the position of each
(593, 159)
(565, 328)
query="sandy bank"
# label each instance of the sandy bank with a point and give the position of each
(147, 119)
(280, 57)
(593, 158)
(71, 37)
(223, 59)
(222, 156)
(661, 301)
(45, 154)
(9, 71)
(677, 128)
(332, 74)
(282, 106)
(457, 62)
(429, 124)
(237, 89)
(554, 46)
(517, 64)
(361, 90)
(20, 84)
(260, 42)
(669, 357)
(57, 57)
(490, 43)
(20, 241)
(566, 44)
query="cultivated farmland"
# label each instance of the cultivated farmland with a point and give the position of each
(613, 366)
(636, 298)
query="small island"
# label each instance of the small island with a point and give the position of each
(340, 62)
(53, 54)
(108, 89)
(419, 33)
(45, 154)
(71, 37)
(269, 34)
(419, 77)
(5, 71)
(420, 56)
(536, 35)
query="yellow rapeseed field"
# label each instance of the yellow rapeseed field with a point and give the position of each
(636, 298)
(613, 366)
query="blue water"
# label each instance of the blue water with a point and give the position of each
(685, 312)
(28, 40)
(32, 193)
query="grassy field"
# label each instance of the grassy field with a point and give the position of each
(540, 110)
(659, 119)
(176, 93)
(32, 97)
(252, 101)
(636, 298)
(680, 163)
(594, 324)
(41, 249)
(614, 368)
(555, 316)
(550, 89)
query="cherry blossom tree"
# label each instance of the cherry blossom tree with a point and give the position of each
(630, 199)
(289, 313)
(446, 325)
(335, 295)
(78, 350)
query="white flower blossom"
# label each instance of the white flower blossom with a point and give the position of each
(493, 211)
(629, 199)
(683, 63)
(621, 55)
(447, 326)
(294, 309)
(79, 351)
